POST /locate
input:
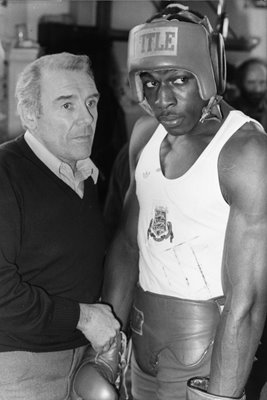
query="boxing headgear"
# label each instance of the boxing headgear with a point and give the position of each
(177, 38)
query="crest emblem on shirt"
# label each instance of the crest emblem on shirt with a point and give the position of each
(159, 228)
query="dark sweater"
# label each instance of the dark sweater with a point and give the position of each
(51, 253)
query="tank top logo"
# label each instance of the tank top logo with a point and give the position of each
(159, 228)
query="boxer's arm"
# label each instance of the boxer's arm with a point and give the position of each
(121, 267)
(244, 264)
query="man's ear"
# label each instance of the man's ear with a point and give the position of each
(28, 118)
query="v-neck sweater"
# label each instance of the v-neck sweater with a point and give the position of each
(51, 253)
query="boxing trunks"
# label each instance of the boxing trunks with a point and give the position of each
(185, 327)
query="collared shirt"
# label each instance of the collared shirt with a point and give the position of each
(84, 168)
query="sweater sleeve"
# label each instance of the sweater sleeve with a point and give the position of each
(24, 307)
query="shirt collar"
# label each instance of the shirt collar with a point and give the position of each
(84, 168)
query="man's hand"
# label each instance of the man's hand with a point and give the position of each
(98, 325)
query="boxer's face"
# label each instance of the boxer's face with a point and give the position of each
(173, 95)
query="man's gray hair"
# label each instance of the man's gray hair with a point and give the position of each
(28, 88)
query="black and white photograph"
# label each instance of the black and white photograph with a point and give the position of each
(133, 200)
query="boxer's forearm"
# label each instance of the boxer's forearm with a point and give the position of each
(234, 351)
(121, 275)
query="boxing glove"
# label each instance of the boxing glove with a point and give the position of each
(98, 375)
(197, 390)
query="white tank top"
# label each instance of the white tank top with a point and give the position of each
(182, 221)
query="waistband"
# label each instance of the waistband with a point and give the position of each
(219, 301)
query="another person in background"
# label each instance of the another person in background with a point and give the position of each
(51, 234)
(190, 257)
(120, 174)
(118, 185)
(111, 135)
(231, 89)
(252, 83)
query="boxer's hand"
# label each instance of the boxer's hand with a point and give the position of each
(98, 325)
(99, 375)
(197, 390)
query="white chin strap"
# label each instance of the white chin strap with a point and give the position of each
(212, 110)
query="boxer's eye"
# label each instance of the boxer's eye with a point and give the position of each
(150, 84)
(181, 80)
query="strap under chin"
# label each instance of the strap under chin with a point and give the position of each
(212, 110)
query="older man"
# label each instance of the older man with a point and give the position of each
(52, 241)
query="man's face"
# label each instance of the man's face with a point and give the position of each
(173, 95)
(68, 118)
(255, 83)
